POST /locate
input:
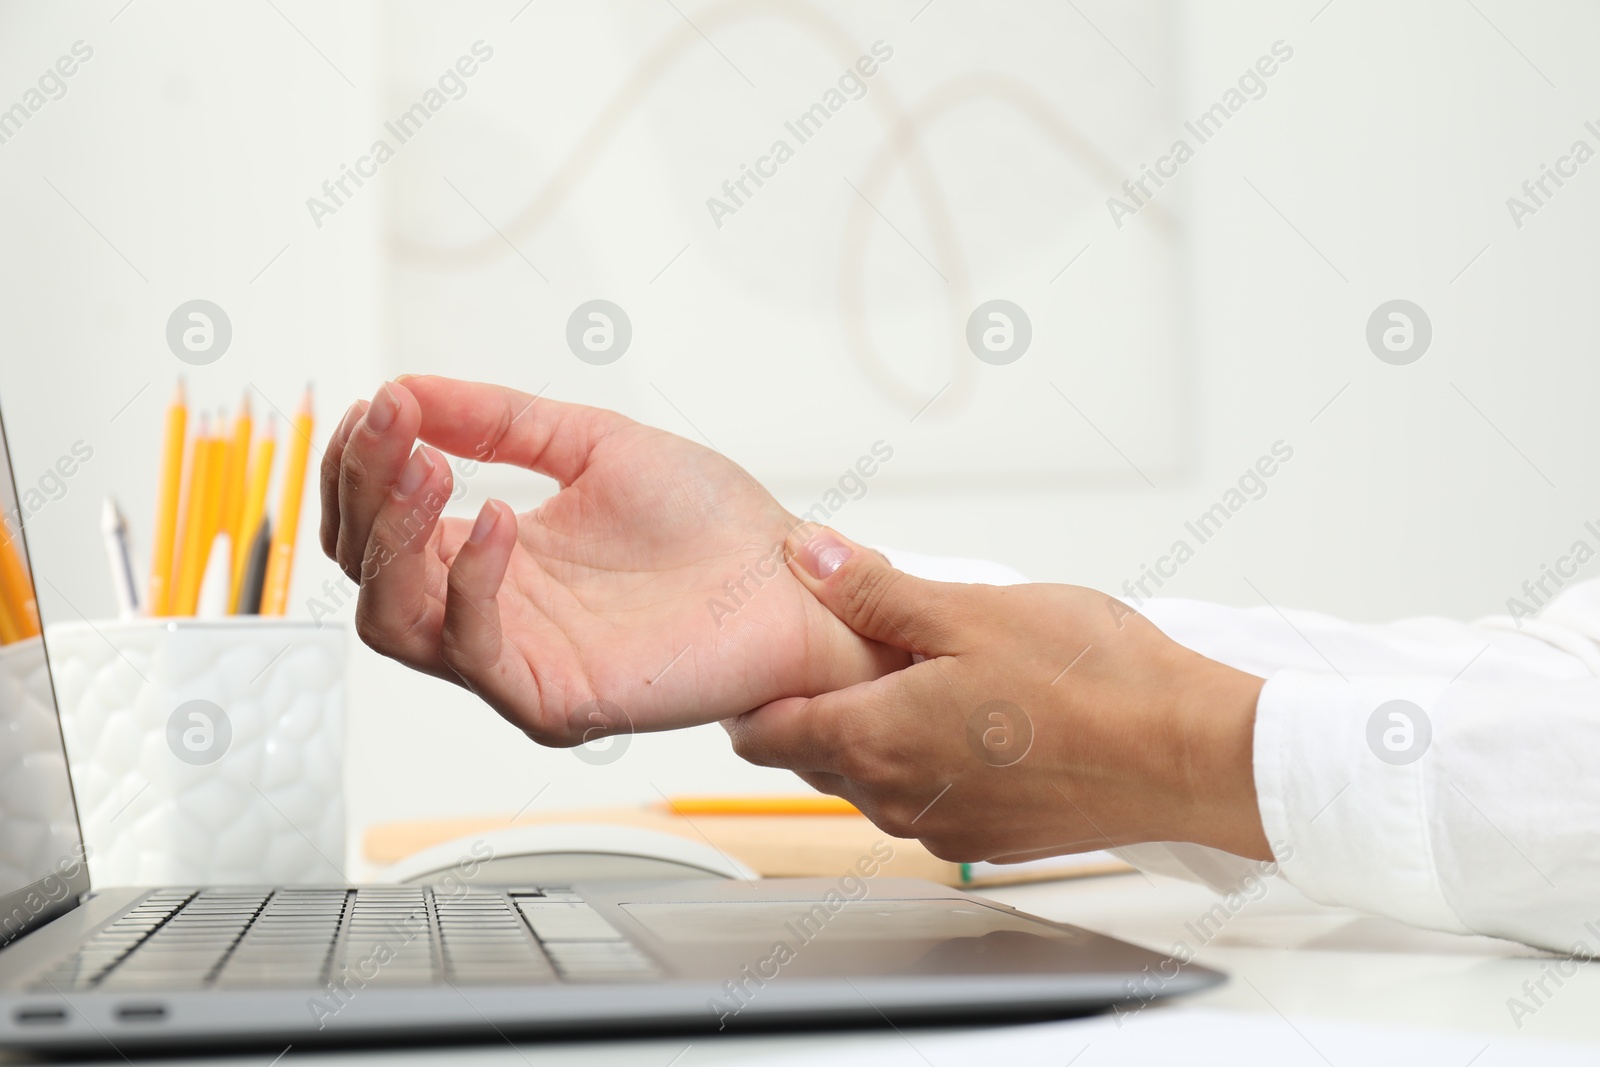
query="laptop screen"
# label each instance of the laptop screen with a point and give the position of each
(43, 868)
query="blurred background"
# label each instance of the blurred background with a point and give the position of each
(1174, 335)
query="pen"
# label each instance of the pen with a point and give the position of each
(255, 571)
(114, 527)
(255, 507)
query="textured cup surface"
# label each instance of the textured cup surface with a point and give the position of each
(205, 752)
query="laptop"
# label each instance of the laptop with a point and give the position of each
(115, 968)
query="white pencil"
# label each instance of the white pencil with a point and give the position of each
(213, 603)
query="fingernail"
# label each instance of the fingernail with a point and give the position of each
(385, 406)
(486, 520)
(414, 473)
(823, 554)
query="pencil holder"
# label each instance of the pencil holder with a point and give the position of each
(205, 752)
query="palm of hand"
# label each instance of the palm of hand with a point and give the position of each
(651, 588)
(655, 582)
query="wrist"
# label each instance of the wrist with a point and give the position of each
(846, 657)
(836, 657)
(1215, 717)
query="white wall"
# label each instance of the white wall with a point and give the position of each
(1390, 142)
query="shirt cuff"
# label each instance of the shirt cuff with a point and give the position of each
(1347, 826)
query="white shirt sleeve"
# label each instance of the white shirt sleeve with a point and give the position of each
(1471, 812)
(1476, 812)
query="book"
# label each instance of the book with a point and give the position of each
(775, 846)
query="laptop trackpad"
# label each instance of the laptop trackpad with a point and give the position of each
(939, 936)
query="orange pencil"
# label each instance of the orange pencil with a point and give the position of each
(802, 804)
(280, 563)
(160, 591)
(18, 587)
(255, 506)
(233, 483)
(191, 559)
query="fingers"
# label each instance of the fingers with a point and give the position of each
(871, 597)
(375, 452)
(470, 641)
(494, 424)
(395, 614)
(330, 476)
(801, 734)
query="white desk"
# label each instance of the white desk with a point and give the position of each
(1290, 960)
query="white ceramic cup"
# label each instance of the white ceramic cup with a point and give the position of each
(205, 751)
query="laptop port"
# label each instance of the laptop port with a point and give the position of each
(141, 1013)
(38, 1015)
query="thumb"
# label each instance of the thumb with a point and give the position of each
(868, 595)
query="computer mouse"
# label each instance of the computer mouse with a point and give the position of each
(564, 854)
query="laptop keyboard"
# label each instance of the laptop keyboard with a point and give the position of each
(389, 935)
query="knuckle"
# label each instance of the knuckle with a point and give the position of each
(354, 474)
(371, 629)
(746, 744)
(864, 591)
(453, 651)
(487, 449)
(399, 636)
(466, 656)
(871, 594)
(382, 548)
(332, 461)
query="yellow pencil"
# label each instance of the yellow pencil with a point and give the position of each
(18, 587)
(255, 506)
(782, 805)
(212, 500)
(280, 562)
(191, 558)
(10, 628)
(9, 631)
(159, 594)
(233, 484)
(216, 471)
